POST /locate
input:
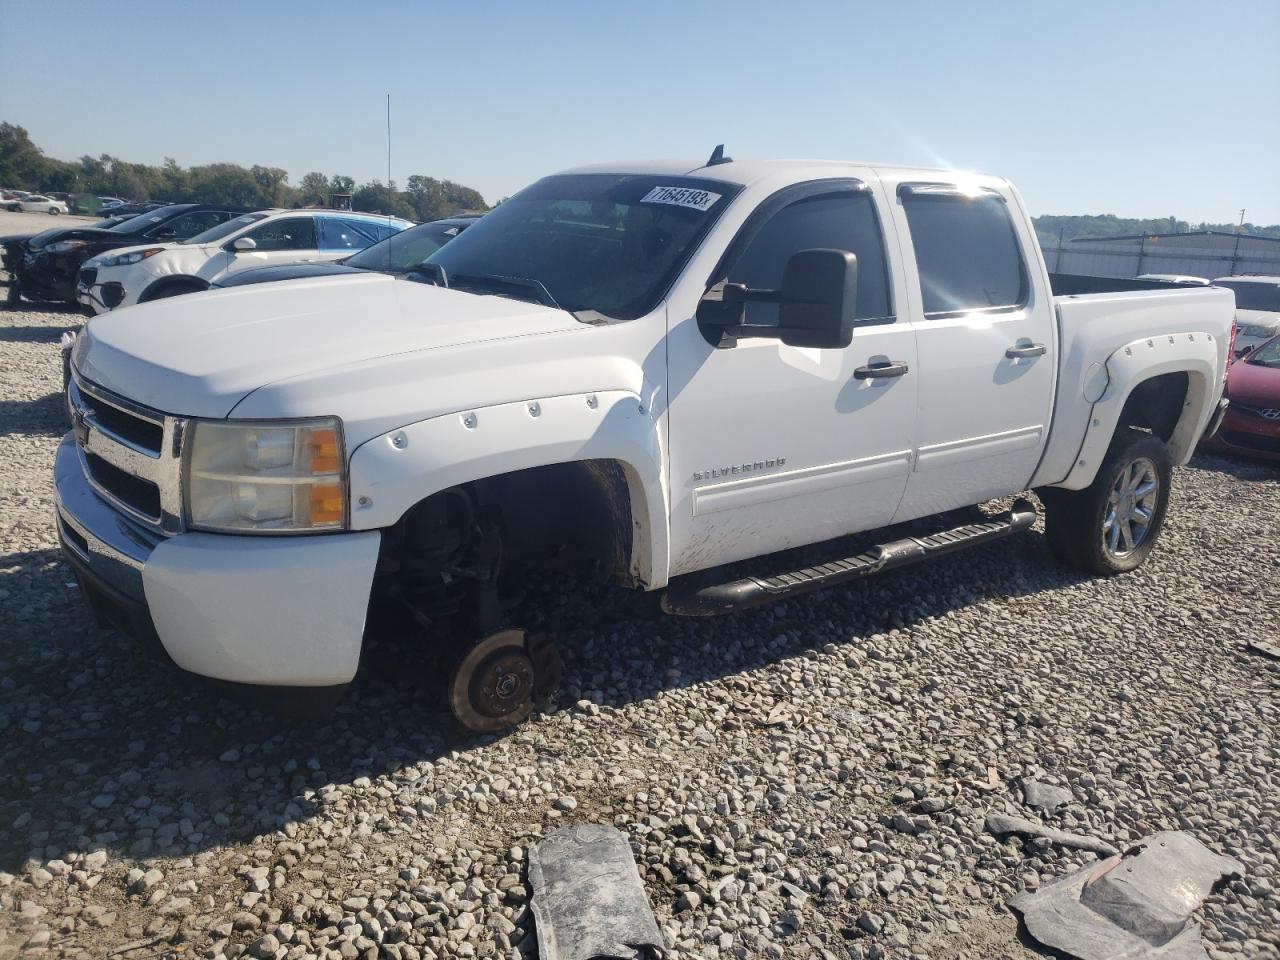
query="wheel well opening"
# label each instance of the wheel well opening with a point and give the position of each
(166, 284)
(575, 515)
(1156, 405)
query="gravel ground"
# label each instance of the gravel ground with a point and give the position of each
(806, 780)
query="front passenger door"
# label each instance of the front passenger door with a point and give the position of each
(773, 446)
(287, 240)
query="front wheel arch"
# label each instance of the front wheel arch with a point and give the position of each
(172, 287)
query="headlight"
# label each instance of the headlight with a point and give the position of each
(266, 477)
(133, 256)
(66, 246)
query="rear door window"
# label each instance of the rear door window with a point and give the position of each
(966, 252)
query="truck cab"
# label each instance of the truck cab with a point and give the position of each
(643, 371)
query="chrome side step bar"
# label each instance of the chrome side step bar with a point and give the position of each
(690, 600)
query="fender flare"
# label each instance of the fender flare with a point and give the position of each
(1195, 354)
(178, 279)
(392, 472)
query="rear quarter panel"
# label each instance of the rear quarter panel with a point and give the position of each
(1111, 342)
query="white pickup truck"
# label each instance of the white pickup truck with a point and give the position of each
(654, 370)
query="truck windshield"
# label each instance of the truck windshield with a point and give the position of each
(609, 243)
(1254, 294)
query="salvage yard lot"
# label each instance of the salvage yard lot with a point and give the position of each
(806, 780)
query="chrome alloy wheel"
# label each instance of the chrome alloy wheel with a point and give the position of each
(1131, 508)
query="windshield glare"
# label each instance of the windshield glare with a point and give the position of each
(145, 221)
(1253, 294)
(405, 250)
(214, 234)
(611, 243)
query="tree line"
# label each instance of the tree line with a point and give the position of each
(1050, 227)
(24, 166)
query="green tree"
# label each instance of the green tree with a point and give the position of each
(374, 197)
(21, 162)
(313, 189)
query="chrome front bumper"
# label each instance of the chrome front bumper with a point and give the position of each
(98, 541)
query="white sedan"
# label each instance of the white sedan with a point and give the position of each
(35, 203)
(120, 278)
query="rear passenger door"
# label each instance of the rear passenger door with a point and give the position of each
(986, 341)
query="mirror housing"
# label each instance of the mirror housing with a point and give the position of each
(243, 243)
(815, 304)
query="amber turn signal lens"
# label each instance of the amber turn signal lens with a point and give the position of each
(326, 503)
(324, 450)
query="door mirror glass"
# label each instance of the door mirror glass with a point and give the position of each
(244, 243)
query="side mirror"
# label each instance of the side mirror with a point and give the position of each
(243, 243)
(815, 304)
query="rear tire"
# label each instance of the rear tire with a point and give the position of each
(53, 211)
(13, 299)
(1112, 525)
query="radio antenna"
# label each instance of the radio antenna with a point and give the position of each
(390, 205)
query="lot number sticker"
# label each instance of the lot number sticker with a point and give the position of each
(701, 200)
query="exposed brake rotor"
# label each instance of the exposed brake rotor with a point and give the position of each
(493, 686)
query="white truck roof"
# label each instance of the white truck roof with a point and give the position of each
(749, 170)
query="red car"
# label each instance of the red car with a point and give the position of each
(1251, 426)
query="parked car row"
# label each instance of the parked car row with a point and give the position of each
(176, 249)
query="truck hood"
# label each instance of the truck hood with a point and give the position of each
(201, 354)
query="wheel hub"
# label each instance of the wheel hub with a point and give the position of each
(1131, 508)
(492, 687)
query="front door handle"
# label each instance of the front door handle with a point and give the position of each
(1021, 353)
(874, 371)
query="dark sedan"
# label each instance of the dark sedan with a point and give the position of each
(11, 246)
(46, 266)
(399, 253)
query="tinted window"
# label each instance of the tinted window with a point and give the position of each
(611, 243)
(966, 253)
(291, 233)
(341, 235)
(1252, 295)
(189, 224)
(147, 220)
(218, 231)
(838, 221)
(403, 251)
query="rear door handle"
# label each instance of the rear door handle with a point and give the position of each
(1021, 353)
(874, 371)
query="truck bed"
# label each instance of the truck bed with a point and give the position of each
(1075, 284)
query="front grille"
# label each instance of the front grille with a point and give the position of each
(131, 454)
(138, 494)
(88, 275)
(1251, 441)
(144, 434)
(1271, 414)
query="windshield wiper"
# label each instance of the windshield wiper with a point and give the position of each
(423, 273)
(505, 286)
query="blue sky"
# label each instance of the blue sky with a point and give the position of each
(1152, 108)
